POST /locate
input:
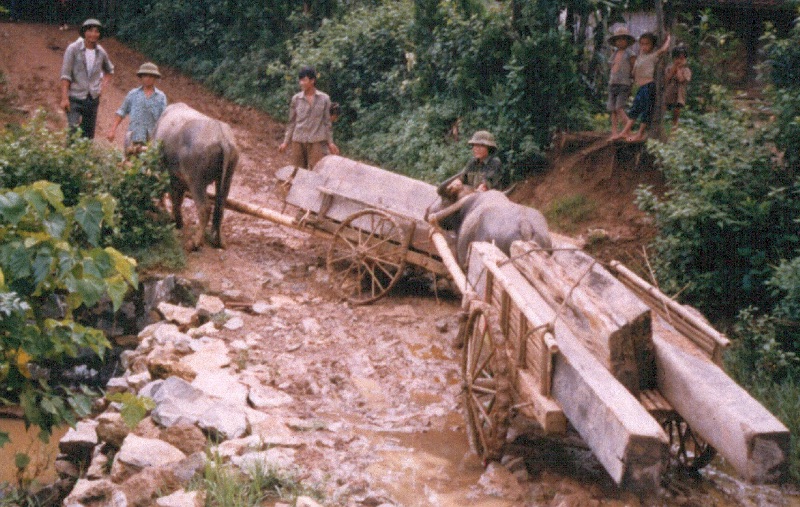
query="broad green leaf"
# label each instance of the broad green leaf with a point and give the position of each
(48, 406)
(12, 208)
(125, 266)
(89, 215)
(51, 192)
(117, 288)
(4, 438)
(21, 460)
(55, 225)
(90, 289)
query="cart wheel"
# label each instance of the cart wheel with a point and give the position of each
(487, 386)
(366, 256)
(688, 451)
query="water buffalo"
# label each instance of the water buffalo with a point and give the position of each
(197, 150)
(488, 216)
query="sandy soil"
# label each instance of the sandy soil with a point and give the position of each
(383, 380)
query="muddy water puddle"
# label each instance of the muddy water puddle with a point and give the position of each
(27, 441)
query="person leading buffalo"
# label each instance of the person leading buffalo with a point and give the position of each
(86, 70)
(483, 172)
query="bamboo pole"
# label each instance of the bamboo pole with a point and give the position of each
(695, 329)
(449, 261)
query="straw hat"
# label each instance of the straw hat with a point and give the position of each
(149, 68)
(621, 32)
(484, 138)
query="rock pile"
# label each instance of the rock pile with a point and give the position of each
(200, 397)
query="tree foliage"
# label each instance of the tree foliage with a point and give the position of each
(52, 263)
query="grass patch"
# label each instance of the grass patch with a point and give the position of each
(226, 486)
(568, 213)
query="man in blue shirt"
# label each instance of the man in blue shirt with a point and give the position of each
(144, 105)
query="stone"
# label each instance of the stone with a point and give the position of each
(310, 326)
(111, 428)
(238, 446)
(142, 487)
(234, 324)
(210, 354)
(147, 452)
(86, 491)
(66, 469)
(207, 329)
(164, 367)
(178, 402)
(187, 438)
(262, 308)
(187, 469)
(261, 396)
(239, 345)
(221, 384)
(182, 498)
(182, 316)
(117, 385)
(210, 304)
(97, 468)
(139, 380)
(273, 432)
(224, 421)
(305, 501)
(147, 428)
(80, 440)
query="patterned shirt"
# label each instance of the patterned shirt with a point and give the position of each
(309, 122)
(83, 80)
(145, 112)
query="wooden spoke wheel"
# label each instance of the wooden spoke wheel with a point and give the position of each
(687, 450)
(366, 256)
(487, 384)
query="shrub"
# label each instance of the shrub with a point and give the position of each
(33, 152)
(52, 263)
(727, 217)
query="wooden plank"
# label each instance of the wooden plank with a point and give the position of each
(605, 315)
(626, 440)
(722, 413)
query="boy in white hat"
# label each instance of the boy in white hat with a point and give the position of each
(621, 79)
(145, 105)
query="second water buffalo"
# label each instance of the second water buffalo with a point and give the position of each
(197, 150)
(490, 216)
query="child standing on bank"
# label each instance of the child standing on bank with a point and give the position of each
(643, 76)
(145, 105)
(621, 79)
(677, 79)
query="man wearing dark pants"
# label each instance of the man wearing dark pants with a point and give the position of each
(85, 72)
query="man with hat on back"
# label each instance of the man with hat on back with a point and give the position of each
(144, 104)
(483, 172)
(85, 72)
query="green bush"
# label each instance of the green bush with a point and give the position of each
(42, 262)
(728, 215)
(33, 152)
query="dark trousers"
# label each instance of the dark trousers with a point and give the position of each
(83, 113)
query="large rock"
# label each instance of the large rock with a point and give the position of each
(138, 453)
(86, 492)
(178, 402)
(182, 498)
(80, 440)
(261, 396)
(111, 428)
(210, 354)
(221, 384)
(186, 437)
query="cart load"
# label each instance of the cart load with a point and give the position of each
(560, 339)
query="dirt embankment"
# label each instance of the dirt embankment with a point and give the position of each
(384, 375)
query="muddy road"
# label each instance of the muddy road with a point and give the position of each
(381, 382)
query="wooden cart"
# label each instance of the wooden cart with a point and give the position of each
(373, 220)
(563, 341)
